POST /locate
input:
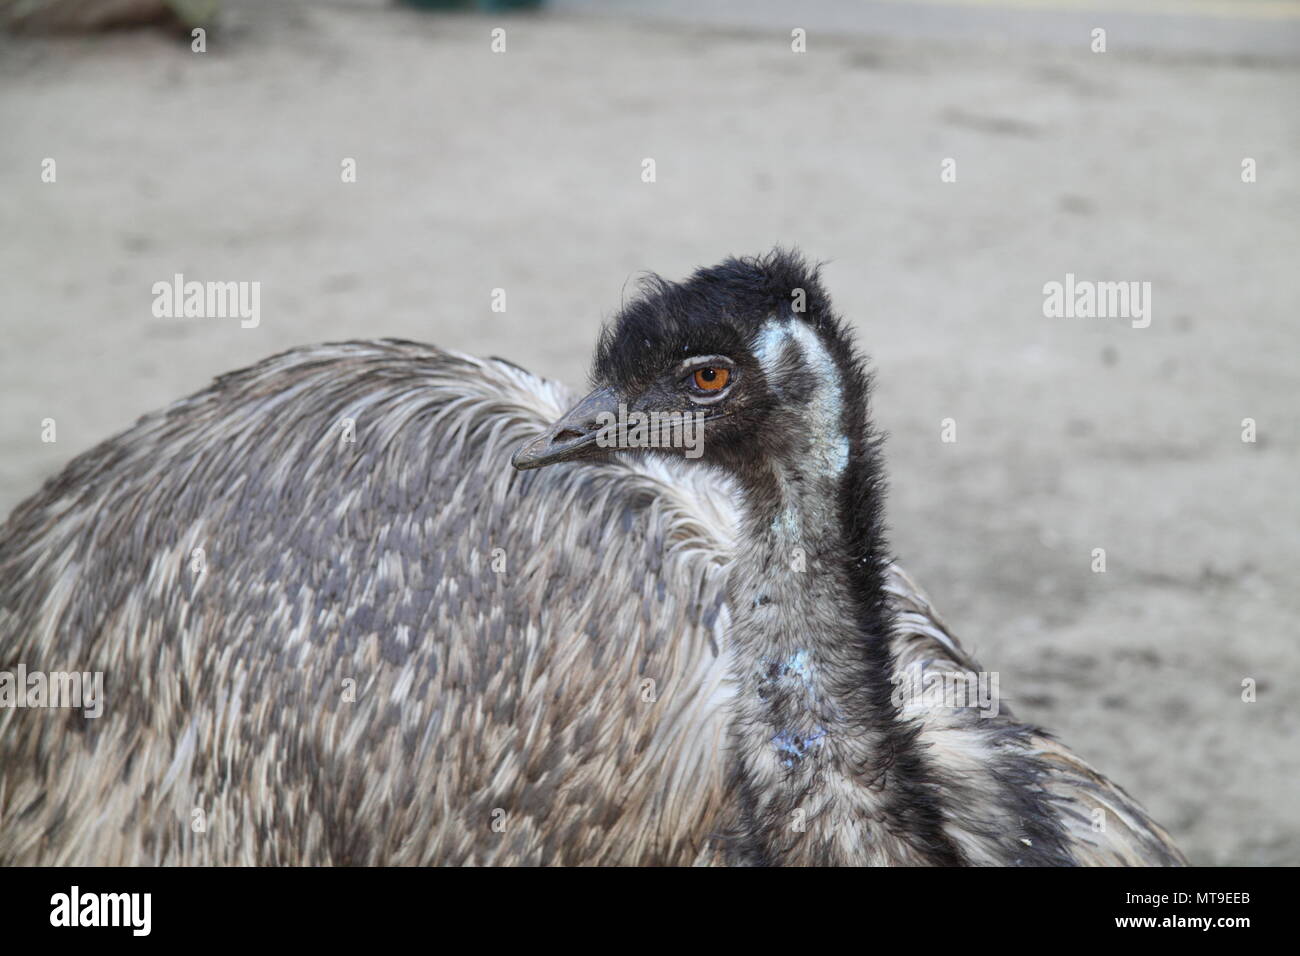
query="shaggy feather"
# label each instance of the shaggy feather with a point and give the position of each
(644, 681)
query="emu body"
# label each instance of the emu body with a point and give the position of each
(397, 649)
(498, 715)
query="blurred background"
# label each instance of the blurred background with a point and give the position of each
(522, 170)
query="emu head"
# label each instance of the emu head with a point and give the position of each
(744, 366)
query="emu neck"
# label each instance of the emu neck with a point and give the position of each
(827, 773)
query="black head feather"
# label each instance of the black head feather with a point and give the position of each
(716, 310)
(720, 310)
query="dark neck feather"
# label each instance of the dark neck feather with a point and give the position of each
(818, 740)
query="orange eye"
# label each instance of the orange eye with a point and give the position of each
(711, 379)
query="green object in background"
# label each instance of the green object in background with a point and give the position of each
(482, 6)
(194, 13)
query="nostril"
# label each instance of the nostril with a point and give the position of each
(568, 434)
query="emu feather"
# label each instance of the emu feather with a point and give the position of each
(400, 650)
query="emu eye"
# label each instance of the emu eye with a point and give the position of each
(711, 379)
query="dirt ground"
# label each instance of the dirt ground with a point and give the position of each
(522, 171)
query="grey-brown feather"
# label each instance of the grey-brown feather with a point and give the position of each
(500, 716)
(1100, 823)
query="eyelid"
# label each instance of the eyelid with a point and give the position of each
(703, 361)
(697, 362)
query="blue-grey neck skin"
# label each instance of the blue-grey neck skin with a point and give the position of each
(827, 769)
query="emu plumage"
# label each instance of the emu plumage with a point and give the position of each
(400, 650)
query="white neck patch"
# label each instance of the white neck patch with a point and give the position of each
(829, 445)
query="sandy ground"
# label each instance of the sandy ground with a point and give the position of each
(522, 171)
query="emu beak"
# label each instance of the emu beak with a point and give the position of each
(573, 436)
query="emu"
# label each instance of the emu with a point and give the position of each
(338, 628)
